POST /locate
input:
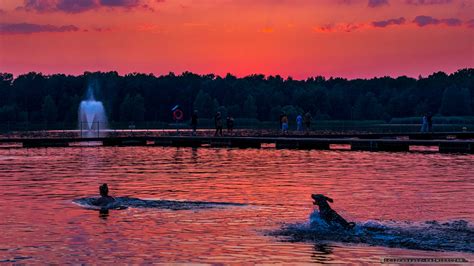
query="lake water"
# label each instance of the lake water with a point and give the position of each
(417, 200)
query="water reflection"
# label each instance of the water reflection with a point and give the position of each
(322, 253)
(37, 184)
(104, 214)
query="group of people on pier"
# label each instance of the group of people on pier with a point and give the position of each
(218, 123)
(300, 121)
(303, 122)
(427, 123)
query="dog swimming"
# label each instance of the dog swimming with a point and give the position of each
(330, 216)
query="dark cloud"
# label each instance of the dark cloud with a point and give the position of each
(77, 6)
(377, 3)
(28, 28)
(37, 5)
(350, 27)
(428, 2)
(68, 6)
(388, 22)
(452, 22)
(120, 3)
(101, 29)
(423, 21)
(345, 2)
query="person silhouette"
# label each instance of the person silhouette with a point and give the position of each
(104, 199)
(218, 124)
(424, 124)
(429, 118)
(299, 123)
(230, 124)
(194, 122)
(284, 124)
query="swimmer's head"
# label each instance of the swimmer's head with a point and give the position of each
(104, 190)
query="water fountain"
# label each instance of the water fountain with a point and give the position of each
(91, 116)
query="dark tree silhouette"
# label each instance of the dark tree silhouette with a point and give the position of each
(35, 98)
(456, 101)
(132, 109)
(250, 107)
(49, 110)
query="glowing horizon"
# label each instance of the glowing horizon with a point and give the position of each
(299, 38)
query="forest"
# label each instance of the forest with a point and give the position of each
(136, 97)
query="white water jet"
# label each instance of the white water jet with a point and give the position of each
(91, 116)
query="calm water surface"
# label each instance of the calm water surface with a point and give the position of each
(39, 223)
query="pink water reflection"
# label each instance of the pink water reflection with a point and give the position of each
(40, 224)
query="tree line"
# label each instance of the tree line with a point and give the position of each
(38, 98)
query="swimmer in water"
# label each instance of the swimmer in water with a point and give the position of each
(104, 199)
(329, 215)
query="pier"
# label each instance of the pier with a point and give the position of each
(446, 143)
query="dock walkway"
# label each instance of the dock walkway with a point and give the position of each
(401, 142)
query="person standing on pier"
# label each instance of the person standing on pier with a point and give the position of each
(424, 124)
(194, 122)
(284, 124)
(218, 124)
(230, 124)
(299, 123)
(429, 118)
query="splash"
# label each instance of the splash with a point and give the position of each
(430, 235)
(91, 115)
(126, 202)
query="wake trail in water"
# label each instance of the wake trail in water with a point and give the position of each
(126, 202)
(455, 235)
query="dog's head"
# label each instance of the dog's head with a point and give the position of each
(320, 199)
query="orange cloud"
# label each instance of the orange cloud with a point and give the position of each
(267, 30)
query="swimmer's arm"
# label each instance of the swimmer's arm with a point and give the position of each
(95, 202)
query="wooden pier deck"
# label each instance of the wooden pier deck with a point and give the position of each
(287, 142)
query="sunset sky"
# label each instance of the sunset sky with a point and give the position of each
(297, 38)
